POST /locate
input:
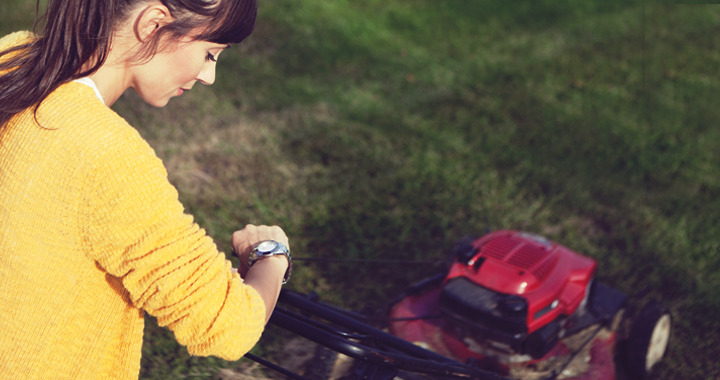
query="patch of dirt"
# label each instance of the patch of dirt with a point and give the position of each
(245, 371)
(213, 150)
(295, 355)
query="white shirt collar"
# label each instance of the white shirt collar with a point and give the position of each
(89, 82)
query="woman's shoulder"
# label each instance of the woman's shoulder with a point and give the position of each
(74, 105)
(75, 115)
(15, 39)
(11, 41)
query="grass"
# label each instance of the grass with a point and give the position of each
(391, 129)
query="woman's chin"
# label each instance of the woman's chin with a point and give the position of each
(155, 101)
(159, 103)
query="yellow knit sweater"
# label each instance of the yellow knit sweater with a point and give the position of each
(91, 235)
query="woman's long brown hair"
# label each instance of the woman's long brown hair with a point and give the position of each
(78, 33)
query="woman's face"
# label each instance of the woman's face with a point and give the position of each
(174, 70)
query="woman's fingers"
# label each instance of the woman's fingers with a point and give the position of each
(244, 240)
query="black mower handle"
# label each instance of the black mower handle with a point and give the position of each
(410, 358)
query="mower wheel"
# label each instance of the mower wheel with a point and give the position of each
(648, 339)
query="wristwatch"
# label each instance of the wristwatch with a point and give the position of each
(270, 248)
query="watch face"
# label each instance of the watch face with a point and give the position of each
(266, 246)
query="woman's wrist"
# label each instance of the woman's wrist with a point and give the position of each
(274, 264)
(266, 276)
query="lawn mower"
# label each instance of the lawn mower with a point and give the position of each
(513, 305)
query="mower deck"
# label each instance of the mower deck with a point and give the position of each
(442, 336)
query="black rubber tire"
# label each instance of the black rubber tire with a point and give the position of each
(653, 318)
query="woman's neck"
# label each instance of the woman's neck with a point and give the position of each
(112, 81)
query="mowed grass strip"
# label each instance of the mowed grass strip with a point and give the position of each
(391, 129)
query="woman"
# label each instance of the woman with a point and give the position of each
(91, 232)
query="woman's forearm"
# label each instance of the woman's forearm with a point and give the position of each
(266, 277)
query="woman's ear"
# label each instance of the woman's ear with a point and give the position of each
(149, 20)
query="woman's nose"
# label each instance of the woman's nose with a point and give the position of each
(207, 75)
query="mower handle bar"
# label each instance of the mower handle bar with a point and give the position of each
(421, 361)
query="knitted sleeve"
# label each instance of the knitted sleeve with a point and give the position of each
(135, 229)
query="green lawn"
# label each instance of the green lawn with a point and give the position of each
(375, 129)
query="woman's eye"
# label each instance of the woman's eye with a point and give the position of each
(210, 57)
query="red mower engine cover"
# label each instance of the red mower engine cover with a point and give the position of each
(517, 288)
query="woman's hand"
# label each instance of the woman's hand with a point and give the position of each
(244, 240)
(267, 274)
